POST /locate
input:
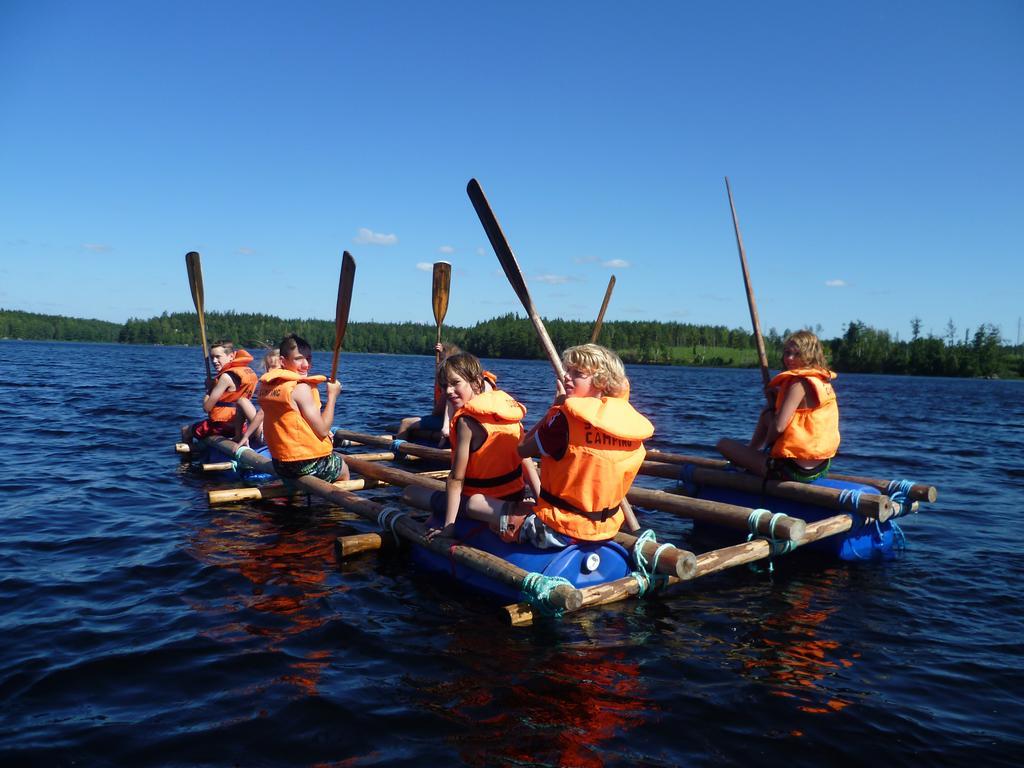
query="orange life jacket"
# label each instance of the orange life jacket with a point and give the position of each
(495, 468)
(245, 384)
(491, 377)
(581, 492)
(285, 430)
(813, 433)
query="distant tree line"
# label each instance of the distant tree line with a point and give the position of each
(860, 349)
(29, 325)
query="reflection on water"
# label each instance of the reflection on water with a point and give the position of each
(794, 654)
(552, 706)
(286, 557)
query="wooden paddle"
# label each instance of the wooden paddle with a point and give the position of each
(600, 315)
(515, 277)
(758, 338)
(512, 271)
(195, 283)
(442, 283)
(348, 273)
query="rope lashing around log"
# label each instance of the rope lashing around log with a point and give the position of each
(236, 457)
(899, 492)
(686, 482)
(850, 497)
(389, 515)
(646, 574)
(775, 546)
(396, 445)
(536, 590)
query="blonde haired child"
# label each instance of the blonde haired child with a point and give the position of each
(797, 437)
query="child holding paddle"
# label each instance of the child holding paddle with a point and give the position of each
(296, 428)
(797, 437)
(486, 429)
(591, 448)
(227, 401)
(436, 420)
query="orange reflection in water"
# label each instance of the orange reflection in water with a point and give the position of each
(287, 557)
(794, 657)
(570, 702)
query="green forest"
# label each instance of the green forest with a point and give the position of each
(860, 349)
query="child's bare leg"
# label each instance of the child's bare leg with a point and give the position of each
(344, 475)
(489, 510)
(743, 456)
(417, 496)
(409, 422)
(186, 433)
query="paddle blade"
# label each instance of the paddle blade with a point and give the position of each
(348, 274)
(499, 243)
(195, 284)
(442, 284)
(195, 279)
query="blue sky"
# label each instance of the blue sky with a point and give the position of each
(874, 148)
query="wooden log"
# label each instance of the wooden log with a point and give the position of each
(357, 543)
(562, 597)
(717, 512)
(918, 492)
(217, 466)
(522, 614)
(405, 448)
(278, 491)
(872, 505)
(183, 448)
(671, 562)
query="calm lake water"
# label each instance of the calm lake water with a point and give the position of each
(142, 627)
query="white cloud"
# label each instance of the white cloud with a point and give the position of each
(551, 279)
(481, 252)
(584, 259)
(835, 283)
(446, 249)
(424, 266)
(246, 251)
(615, 263)
(97, 247)
(367, 236)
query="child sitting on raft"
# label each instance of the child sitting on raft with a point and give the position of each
(486, 429)
(227, 401)
(798, 437)
(254, 430)
(438, 419)
(297, 430)
(591, 448)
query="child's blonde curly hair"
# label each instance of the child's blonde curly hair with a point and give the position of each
(809, 348)
(607, 370)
